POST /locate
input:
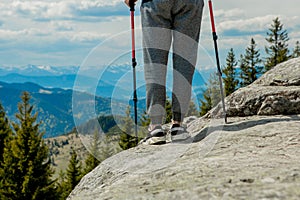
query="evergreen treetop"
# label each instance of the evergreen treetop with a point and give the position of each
(230, 81)
(249, 64)
(278, 47)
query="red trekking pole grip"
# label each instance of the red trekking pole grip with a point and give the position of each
(131, 5)
(211, 16)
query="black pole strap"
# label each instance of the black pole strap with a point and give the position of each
(215, 38)
(131, 5)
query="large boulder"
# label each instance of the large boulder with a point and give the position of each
(276, 92)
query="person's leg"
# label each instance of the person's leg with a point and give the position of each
(156, 44)
(186, 26)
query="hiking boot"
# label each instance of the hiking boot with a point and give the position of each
(155, 137)
(179, 133)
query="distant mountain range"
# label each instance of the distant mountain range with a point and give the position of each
(54, 106)
(110, 81)
(52, 90)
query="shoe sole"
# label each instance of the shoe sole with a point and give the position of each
(155, 141)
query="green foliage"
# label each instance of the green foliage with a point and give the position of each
(72, 176)
(62, 185)
(296, 51)
(278, 48)
(101, 149)
(106, 148)
(106, 122)
(249, 65)
(5, 132)
(145, 120)
(74, 171)
(206, 104)
(230, 81)
(168, 108)
(211, 95)
(92, 160)
(126, 139)
(26, 172)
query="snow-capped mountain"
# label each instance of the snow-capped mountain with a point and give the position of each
(38, 70)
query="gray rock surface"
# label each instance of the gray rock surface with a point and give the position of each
(255, 156)
(276, 92)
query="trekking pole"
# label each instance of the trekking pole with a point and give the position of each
(215, 38)
(134, 63)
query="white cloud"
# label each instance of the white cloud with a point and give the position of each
(67, 9)
(251, 25)
(64, 31)
(88, 37)
(62, 26)
(21, 34)
(229, 14)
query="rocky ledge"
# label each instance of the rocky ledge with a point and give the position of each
(276, 92)
(255, 156)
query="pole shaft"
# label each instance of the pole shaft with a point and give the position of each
(134, 63)
(215, 38)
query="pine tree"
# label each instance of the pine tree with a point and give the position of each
(106, 148)
(249, 65)
(92, 159)
(244, 74)
(230, 81)
(5, 133)
(278, 48)
(62, 185)
(71, 178)
(126, 140)
(26, 168)
(211, 95)
(206, 103)
(74, 171)
(296, 52)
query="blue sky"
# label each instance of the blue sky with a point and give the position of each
(64, 32)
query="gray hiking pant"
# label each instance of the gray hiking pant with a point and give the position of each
(170, 24)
